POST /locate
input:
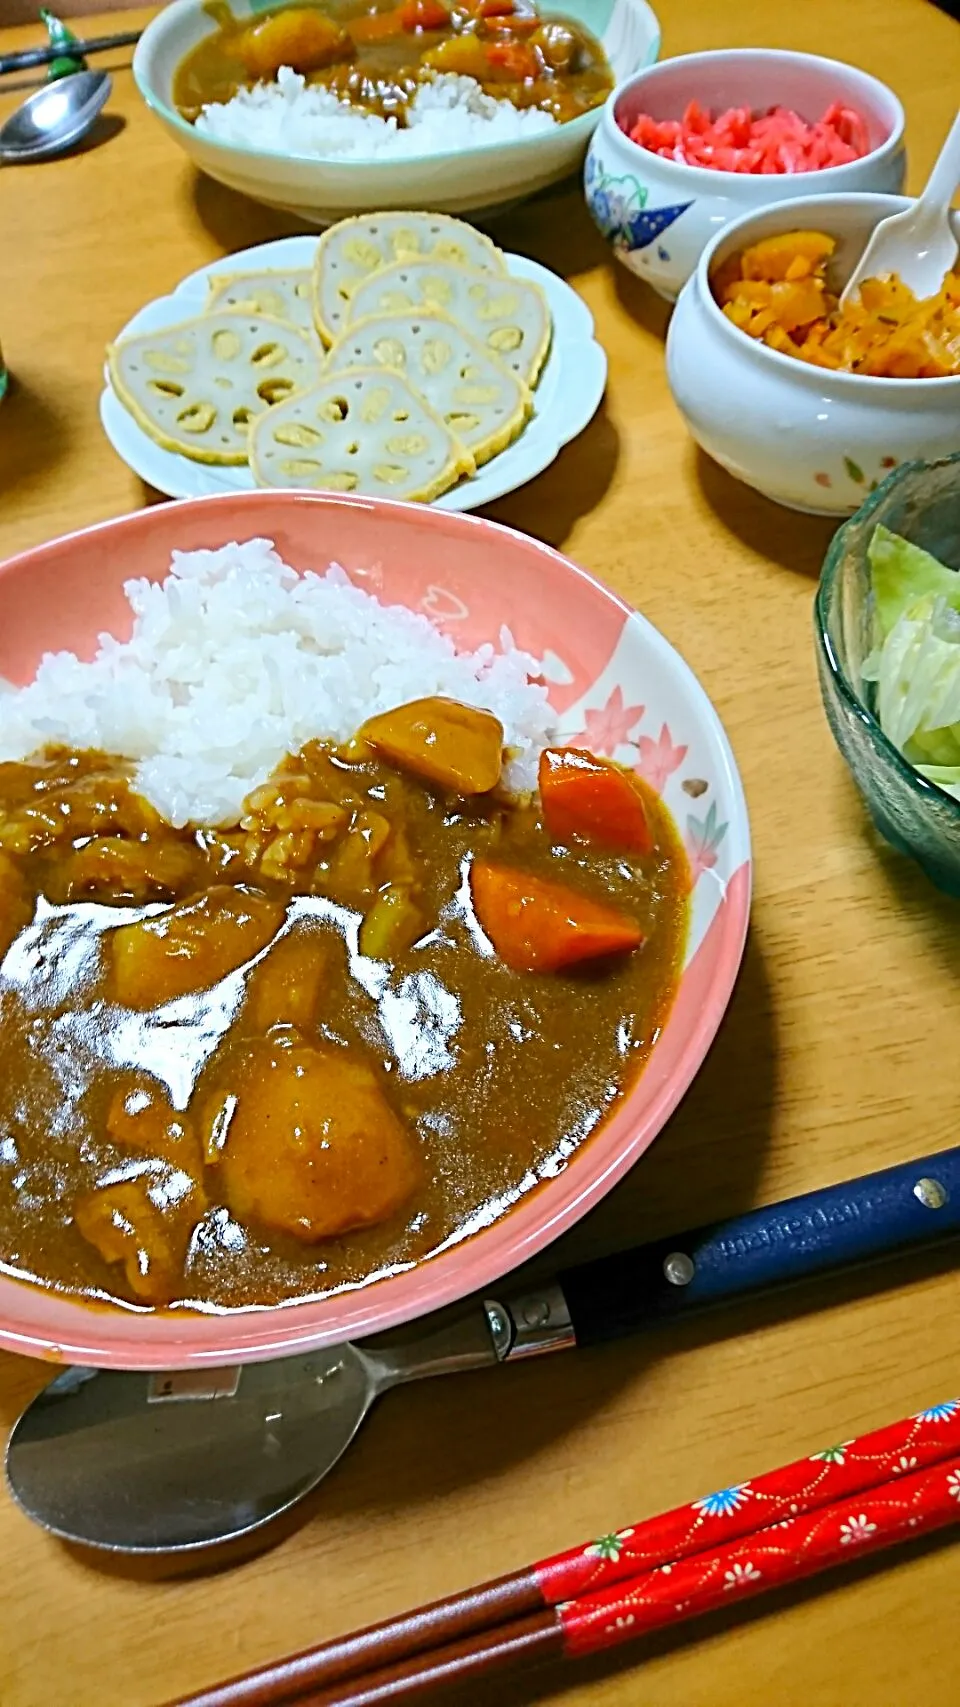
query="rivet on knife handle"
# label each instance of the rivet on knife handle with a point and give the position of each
(863, 1220)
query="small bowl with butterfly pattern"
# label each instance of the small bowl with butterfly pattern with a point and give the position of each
(659, 215)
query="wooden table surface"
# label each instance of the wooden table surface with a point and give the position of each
(838, 1054)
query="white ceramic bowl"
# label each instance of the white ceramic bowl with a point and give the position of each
(323, 189)
(808, 438)
(660, 215)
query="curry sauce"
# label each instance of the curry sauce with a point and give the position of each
(376, 56)
(176, 1005)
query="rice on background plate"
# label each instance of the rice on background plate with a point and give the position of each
(235, 660)
(291, 116)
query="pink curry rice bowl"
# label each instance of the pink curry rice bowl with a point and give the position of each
(614, 685)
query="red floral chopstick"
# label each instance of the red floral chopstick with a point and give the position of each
(895, 1484)
(911, 1504)
(916, 1503)
(796, 1489)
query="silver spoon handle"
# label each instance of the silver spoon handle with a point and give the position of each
(451, 1346)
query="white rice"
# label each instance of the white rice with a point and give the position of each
(293, 117)
(236, 660)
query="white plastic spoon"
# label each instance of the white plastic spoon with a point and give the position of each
(918, 244)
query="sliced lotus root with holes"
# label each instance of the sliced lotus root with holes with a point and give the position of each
(350, 251)
(196, 387)
(284, 296)
(508, 316)
(479, 398)
(360, 430)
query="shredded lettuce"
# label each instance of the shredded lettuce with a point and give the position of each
(902, 573)
(916, 666)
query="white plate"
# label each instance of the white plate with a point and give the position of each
(567, 397)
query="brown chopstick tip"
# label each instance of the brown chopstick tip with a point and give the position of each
(512, 1647)
(456, 1618)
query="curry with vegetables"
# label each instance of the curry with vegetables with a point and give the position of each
(251, 1064)
(375, 57)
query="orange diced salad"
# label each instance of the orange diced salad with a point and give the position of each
(777, 292)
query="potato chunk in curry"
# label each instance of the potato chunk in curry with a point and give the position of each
(286, 986)
(306, 1141)
(126, 1224)
(141, 1119)
(450, 745)
(299, 36)
(192, 946)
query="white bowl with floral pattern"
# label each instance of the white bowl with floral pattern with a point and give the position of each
(806, 437)
(659, 215)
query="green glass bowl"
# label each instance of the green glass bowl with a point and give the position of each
(921, 501)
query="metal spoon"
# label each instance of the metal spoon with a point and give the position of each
(148, 1463)
(142, 1463)
(55, 117)
(917, 244)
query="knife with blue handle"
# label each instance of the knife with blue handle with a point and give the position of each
(906, 1208)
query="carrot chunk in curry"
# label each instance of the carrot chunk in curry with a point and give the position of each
(590, 800)
(243, 1063)
(539, 926)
